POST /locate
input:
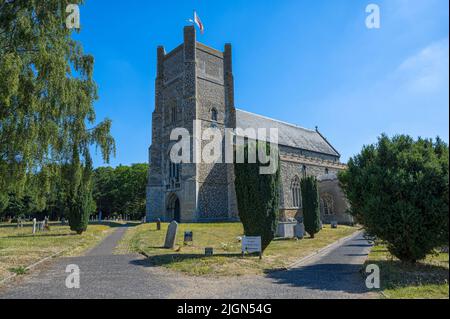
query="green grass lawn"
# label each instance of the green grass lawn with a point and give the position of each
(19, 248)
(227, 249)
(427, 279)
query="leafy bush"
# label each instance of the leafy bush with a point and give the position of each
(398, 189)
(311, 210)
(258, 199)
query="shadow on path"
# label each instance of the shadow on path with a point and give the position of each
(325, 277)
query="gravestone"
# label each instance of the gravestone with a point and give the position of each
(158, 224)
(299, 231)
(209, 251)
(34, 225)
(188, 237)
(171, 235)
(46, 223)
(334, 224)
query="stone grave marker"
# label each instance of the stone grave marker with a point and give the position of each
(158, 224)
(46, 223)
(171, 235)
(209, 251)
(188, 237)
(299, 231)
(34, 225)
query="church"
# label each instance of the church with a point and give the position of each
(195, 82)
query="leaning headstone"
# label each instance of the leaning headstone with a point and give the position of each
(171, 235)
(34, 225)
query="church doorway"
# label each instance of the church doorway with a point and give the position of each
(174, 208)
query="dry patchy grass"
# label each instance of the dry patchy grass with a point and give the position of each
(427, 279)
(223, 238)
(19, 248)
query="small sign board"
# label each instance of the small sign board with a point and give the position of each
(188, 237)
(251, 245)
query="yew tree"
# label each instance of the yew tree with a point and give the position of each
(398, 190)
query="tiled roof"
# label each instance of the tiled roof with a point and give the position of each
(288, 134)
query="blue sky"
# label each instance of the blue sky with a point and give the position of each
(306, 62)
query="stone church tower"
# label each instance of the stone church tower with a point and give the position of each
(193, 82)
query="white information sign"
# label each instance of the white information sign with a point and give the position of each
(251, 244)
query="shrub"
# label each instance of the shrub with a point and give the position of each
(311, 211)
(80, 201)
(398, 190)
(258, 199)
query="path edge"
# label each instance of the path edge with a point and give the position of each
(37, 263)
(335, 244)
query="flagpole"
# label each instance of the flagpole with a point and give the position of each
(192, 21)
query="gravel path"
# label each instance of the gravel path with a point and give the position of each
(332, 274)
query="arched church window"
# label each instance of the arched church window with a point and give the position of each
(327, 171)
(327, 204)
(296, 194)
(174, 114)
(304, 170)
(174, 175)
(214, 114)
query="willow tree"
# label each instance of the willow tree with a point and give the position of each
(47, 93)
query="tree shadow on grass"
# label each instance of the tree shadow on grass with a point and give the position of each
(397, 274)
(113, 224)
(166, 259)
(37, 235)
(359, 245)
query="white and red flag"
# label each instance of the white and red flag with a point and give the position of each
(199, 23)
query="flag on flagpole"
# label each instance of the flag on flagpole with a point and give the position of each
(199, 23)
